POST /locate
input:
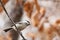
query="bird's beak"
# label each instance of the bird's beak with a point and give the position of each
(28, 23)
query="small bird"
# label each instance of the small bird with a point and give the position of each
(20, 26)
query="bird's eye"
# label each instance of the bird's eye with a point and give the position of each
(28, 21)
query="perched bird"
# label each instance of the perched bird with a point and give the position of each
(20, 26)
(15, 11)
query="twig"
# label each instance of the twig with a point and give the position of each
(12, 20)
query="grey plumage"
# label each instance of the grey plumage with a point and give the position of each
(20, 26)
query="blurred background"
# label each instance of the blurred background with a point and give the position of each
(31, 9)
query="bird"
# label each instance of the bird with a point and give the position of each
(15, 12)
(20, 26)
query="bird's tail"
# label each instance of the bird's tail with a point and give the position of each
(6, 30)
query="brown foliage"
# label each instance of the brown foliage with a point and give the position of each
(1, 9)
(28, 7)
(4, 2)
